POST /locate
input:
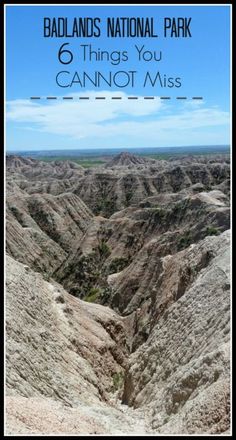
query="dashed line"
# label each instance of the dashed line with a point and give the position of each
(116, 97)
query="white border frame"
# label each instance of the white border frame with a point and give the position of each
(4, 197)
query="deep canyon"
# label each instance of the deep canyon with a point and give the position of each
(118, 296)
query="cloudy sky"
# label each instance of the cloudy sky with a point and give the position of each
(202, 62)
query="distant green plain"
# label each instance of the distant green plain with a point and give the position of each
(86, 162)
(98, 160)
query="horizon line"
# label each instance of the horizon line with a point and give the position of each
(118, 148)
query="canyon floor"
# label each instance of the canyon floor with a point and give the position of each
(118, 296)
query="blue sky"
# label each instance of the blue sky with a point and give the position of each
(202, 62)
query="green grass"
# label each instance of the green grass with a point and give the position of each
(165, 156)
(185, 240)
(104, 249)
(84, 162)
(211, 230)
(88, 161)
(92, 295)
(159, 211)
(118, 264)
(118, 380)
(169, 155)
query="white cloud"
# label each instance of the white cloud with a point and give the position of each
(140, 119)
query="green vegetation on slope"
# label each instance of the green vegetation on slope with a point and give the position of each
(86, 162)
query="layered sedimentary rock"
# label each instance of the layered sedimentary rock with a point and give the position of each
(181, 373)
(42, 229)
(67, 354)
(120, 255)
(63, 358)
(124, 181)
(118, 296)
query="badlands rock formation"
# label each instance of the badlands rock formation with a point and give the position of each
(118, 296)
(42, 228)
(128, 160)
(181, 373)
(63, 360)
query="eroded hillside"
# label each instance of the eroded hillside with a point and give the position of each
(118, 296)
